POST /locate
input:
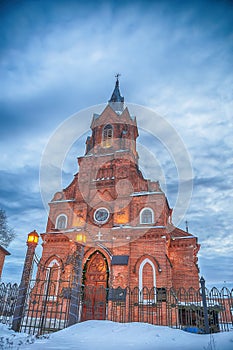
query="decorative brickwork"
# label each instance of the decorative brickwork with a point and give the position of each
(121, 214)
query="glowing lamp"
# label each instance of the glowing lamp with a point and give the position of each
(33, 237)
(81, 238)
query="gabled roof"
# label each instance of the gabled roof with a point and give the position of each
(109, 115)
(5, 252)
(178, 233)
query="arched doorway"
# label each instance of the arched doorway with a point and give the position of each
(95, 281)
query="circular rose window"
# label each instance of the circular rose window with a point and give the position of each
(101, 215)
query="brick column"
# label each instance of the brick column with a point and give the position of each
(76, 285)
(32, 242)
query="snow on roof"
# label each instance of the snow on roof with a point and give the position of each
(95, 116)
(63, 201)
(4, 250)
(142, 227)
(182, 237)
(210, 303)
(145, 193)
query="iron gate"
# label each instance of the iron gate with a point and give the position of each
(46, 306)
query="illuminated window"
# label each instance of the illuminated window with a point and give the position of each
(107, 135)
(61, 222)
(146, 216)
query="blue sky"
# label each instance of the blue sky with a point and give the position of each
(175, 57)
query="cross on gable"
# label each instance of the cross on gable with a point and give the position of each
(99, 235)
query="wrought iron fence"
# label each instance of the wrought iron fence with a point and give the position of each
(174, 308)
(8, 298)
(47, 306)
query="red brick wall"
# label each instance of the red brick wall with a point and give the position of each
(2, 259)
(3, 253)
(110, 177)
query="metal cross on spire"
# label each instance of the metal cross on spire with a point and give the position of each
(117, 75)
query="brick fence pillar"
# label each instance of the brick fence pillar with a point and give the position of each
(75, 298)
(32, 242)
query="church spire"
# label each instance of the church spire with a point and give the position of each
(117, 101)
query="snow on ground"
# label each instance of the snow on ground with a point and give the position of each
(12, 340)
(107, 335)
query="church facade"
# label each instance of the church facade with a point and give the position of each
(124, 220)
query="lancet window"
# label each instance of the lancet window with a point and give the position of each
(107, 135)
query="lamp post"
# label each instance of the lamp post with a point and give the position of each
(80, 241)
(205, 307)
(32, 242)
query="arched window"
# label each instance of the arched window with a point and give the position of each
(146, 216)
(147, 275)
(107, 136)
(61, 222)
(52, 279)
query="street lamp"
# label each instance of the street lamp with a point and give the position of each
(81, 238)
(33, 238)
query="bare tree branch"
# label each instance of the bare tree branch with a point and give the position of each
(7, 234)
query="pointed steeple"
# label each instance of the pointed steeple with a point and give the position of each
(117, 101)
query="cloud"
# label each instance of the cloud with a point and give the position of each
(212, 269)
(175, 57)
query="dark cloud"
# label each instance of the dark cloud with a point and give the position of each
(20, 191)
(212, 269)
(174, 56)
(214, 182)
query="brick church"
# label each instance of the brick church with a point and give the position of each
(124, 220)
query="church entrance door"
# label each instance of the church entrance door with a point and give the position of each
(95, 278)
